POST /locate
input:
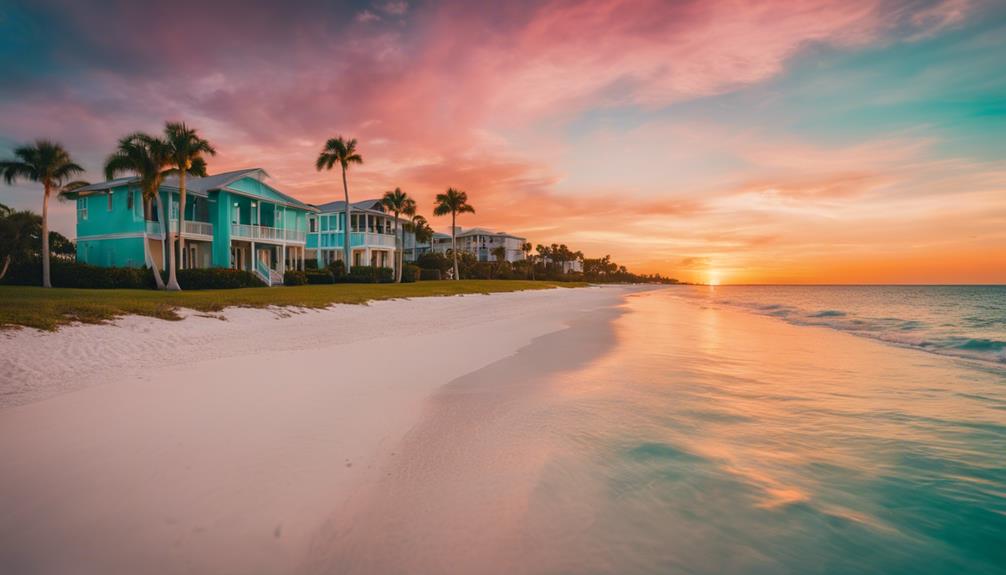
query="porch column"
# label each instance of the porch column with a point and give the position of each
(303, 256)
(282, 259)
(251, 260)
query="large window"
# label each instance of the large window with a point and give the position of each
(82, 209)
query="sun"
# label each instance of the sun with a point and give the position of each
(714, 278)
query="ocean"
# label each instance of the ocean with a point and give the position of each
(738, 430)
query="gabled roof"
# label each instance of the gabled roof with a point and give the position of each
(217, 181)
(199, 186)
(485, 232)
(363, 205)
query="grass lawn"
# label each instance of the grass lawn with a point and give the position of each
(49, 308)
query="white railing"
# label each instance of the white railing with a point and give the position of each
(263, 272)
(191, 228)
(198, 228)
(266, 233)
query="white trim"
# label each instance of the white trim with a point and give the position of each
(122, 236)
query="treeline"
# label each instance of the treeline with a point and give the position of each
(557, 268)
(21, 240)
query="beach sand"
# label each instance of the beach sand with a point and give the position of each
(226, 444)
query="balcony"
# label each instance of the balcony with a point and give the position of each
(333, 239)
(201, 230)
(253, 232)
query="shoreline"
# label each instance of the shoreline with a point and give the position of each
(233, 463)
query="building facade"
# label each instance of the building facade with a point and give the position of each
(481, 243)
(232, 220)
(371, 234)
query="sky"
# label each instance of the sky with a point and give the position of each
(799, 141)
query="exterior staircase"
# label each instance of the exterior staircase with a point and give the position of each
(271, 277)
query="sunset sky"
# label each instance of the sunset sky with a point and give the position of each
(840, 141)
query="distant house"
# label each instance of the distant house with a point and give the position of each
(481, 242)
(371, 234)
(232, 220)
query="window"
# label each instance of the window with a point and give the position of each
(129, 199)
(314, 224)
(82, 209)
(109, 194)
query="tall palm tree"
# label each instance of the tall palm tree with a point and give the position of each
(149, 158)
(187, 150)
(526, 248)
(453, 202)
(49, 164)
(399, 203)
(342, 152)
(422, 230)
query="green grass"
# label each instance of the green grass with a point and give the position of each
(48, 309)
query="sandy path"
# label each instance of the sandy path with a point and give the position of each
(230, 461)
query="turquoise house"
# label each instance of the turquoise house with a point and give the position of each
(232, 220)
(371, 234)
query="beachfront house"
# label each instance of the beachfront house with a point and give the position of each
(481, 242)
(232, 220)
(371, 234)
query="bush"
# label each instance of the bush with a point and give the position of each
(434, 261)
(319, 277)
(294, 278)
(216, 278)
(368, 275)
(410, 273)
(78, 275)
(337, 268)
(429, 275)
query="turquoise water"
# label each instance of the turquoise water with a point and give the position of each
(702, 433)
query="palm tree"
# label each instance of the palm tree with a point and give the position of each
(399, 202)
(422, 230)
(526, 248)
(48, 163)
(18, 232)
(149, 158)
(187, 150)
(453, 202)
(338, 150)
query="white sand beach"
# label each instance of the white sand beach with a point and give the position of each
(223, 444)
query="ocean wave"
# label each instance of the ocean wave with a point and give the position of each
(947, 323)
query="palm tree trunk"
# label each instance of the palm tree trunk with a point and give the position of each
(158, 280)
(345, 232)
(454, 243)
(6, 264)
(166, 226)
(398, 253)
(181, 219)
(46, 282)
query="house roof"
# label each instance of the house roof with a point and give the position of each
(485, 232)
(363, 205)
(199, 186)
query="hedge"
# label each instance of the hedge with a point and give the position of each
(78, 275)
(319, 277)
(294, 278)
(216, 278)
(410, 273)
(368, 275)
(428, 275)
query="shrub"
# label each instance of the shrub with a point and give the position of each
(319, 276)
(434, 261)
(294, 278)
(428, 275)
(337, 268)
(410, 273)
(78, 275)
(216, 278)
(368, 275)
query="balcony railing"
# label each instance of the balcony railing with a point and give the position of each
(254, 232)
(333, 239)
(191, 228)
